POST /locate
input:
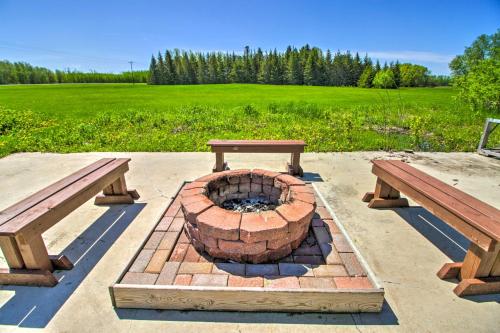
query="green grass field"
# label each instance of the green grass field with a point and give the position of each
(124, 117)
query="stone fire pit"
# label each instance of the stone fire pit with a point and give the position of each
(254, 237)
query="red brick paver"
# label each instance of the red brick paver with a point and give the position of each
(353, 282)
(316, 282)
(183, 280)
(329, 271)
(214, 280)
(179, 252)
(281, 282)
(243, 281)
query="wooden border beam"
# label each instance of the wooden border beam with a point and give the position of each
(246, 299)
(41, 278)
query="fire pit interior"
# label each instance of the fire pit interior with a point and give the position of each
(247, 215)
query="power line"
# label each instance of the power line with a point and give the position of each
(132, 70)
(24, 47)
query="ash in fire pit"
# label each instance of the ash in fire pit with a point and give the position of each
(258, 204)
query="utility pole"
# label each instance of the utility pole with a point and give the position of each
(132, 70)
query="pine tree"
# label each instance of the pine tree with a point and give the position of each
(170, 71)
(357, 70)
(161, 70)
(201, 69)
(312, 74)
(294, 71)
(213, 70)
(153, 72)
(265, 70)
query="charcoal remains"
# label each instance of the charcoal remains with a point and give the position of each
(255, 205)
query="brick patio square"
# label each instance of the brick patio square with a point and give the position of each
(192, 254)
(322, 235)
(341, 243)
(183, 280)
(330, 254)
(332, 227)
(168, 273)
(179, 252)
(142, 261)
(177, 224)
(195, 268)
(139, 278)
(329, 271)
(352, 264)
(183, 238)
(213, 280)
(307, 251)
(262, 269)
(291, 282)
(311, 260)
(316, 282)
(168, 241)
(154, 240)
(295, 269)
(243, 281)
(229, 268)
(323, 213)
(353, 282)
(157, 261)
(164, 223)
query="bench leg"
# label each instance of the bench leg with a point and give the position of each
(384, 196)
(117, 193)
(478, 262)
(479, 272)
(220, 165)
(11, 252)
(294, 168)
(34, 253)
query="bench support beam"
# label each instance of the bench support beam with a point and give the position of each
(11, 252)
(117, 193)
(480, 286)
(477, 273)
(34, 253)
(29, 277)
(384, 196)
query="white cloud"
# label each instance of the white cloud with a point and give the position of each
(414, 56)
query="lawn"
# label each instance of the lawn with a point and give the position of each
(125, 117)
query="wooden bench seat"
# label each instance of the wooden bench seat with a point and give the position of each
(22, 224)
(479, 222)
(294, 147)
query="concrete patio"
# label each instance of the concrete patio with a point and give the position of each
(403, 247)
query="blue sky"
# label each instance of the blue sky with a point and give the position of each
(104, 35)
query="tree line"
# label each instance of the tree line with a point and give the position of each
(24, 73)
(304, 66)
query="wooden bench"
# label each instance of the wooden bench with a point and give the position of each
(22, 224)
(479, 222)
(294, 147)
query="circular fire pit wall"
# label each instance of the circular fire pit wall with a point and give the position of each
(268, 214)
